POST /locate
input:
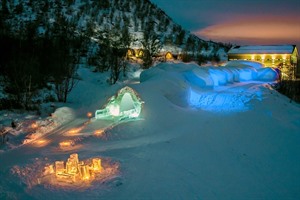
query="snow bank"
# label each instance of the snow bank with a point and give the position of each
(267, 74)
(63, 115)
(190, 85)
(193, 74)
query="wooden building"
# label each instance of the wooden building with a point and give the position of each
(283, 57)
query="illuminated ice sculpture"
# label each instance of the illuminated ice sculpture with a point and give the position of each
(125, 104)
(74, 170)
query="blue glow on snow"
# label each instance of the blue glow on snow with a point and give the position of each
(193, 79)
(268, 74)
(227, 101)
(219, 76)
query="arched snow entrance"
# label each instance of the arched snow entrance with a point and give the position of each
(125, 104)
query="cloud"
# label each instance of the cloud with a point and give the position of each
(258, 29)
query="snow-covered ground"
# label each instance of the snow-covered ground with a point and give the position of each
(204, 133)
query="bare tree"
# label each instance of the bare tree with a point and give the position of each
(65, 85)
(113, 45)
(151, 43)
(64, 58)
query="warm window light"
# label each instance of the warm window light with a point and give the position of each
(129, 52)
(284, 57)
(141, 53)
(169, 56)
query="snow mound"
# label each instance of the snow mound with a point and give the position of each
(190, 85)
(267, 74)
(196, 75)
(63, 115)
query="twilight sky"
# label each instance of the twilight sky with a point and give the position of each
(238, 21)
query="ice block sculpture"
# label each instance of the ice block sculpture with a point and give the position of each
(59, 168)
(97, 164)
(76, 170)
(84, 172)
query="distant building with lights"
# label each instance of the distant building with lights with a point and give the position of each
(283, 57)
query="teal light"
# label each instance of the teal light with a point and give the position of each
(125, 104)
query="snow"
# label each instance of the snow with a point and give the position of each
(205, 133)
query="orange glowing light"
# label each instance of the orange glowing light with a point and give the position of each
(75, 131)
(40, 143)
(49, 169)
(99, 132)
(169, 56)
(34, 125)
(89, 114)
(65, 144)
(97, 164)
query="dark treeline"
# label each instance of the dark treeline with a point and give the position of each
(43, 42)
(290, 88)
(29, 62)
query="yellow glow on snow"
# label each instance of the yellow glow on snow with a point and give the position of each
(99, 132)
(75, 131)
(41, 142)
(34, 125)
(66, 144)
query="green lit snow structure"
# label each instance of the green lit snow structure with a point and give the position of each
(126, 104)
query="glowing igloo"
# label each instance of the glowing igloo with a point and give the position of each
(125, 104)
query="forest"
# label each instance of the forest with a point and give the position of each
(42, 44)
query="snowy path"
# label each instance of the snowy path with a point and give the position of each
(28, 150)
(49, 143)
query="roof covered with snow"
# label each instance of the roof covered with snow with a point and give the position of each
(265, 49)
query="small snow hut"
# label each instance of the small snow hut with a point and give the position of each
(125, 104)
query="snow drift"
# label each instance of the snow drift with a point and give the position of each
(189, 85)
(239, 71)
